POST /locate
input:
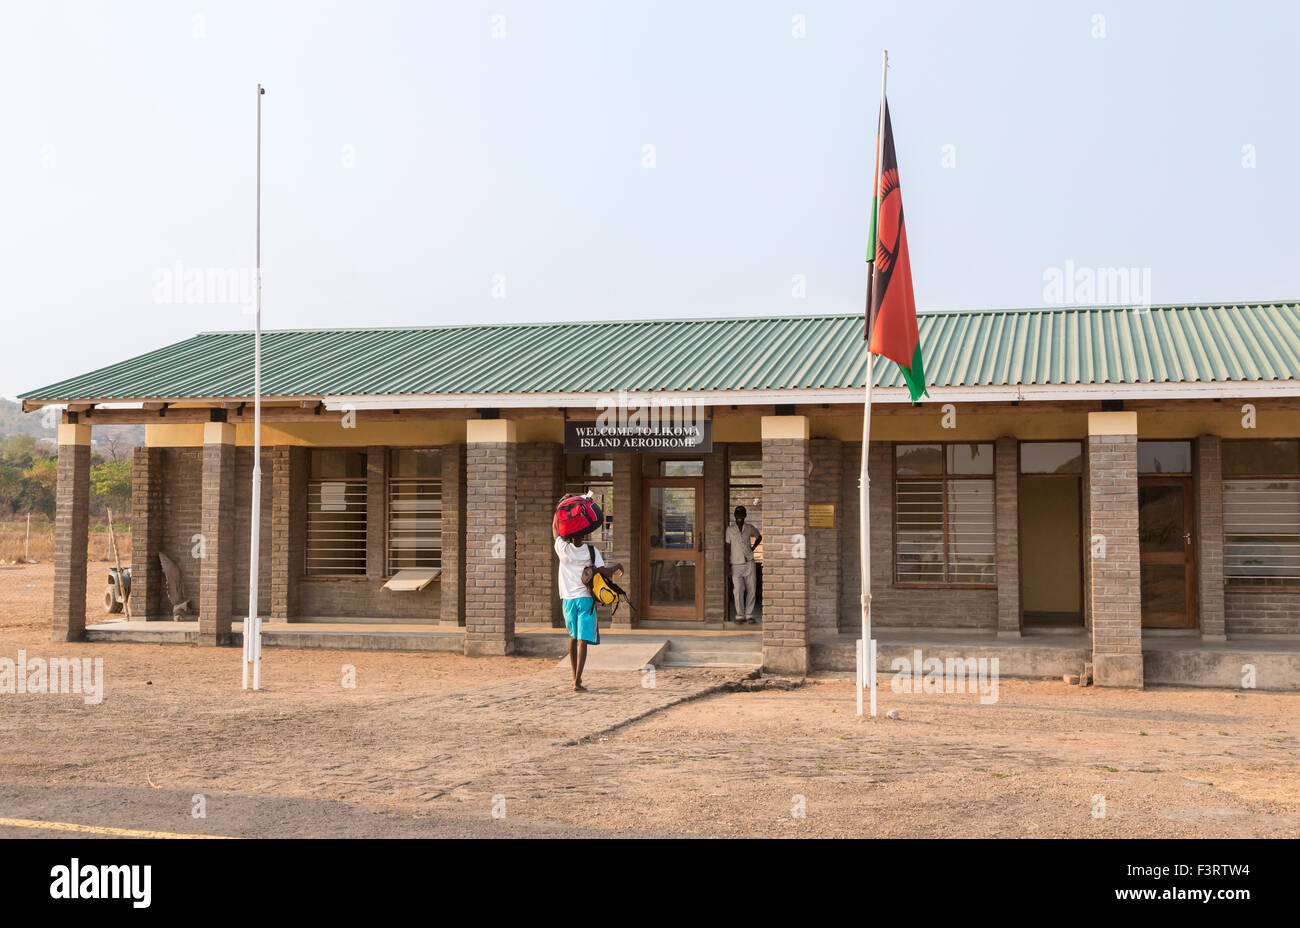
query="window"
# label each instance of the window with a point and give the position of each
(414, 509)
(944, 519)
(594, 473)
(1261, 514)
(681, 468)
(336, 513)
(1164, 457)
(1051, 457)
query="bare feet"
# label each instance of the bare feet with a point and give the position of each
(579, 688)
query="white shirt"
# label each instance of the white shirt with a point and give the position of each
(573, 558)
(738, 538)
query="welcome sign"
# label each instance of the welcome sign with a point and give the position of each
(631, 437)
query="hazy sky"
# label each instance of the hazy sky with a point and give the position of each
(412, 154)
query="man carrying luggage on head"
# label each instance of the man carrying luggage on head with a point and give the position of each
(742, 538)
(579, 516)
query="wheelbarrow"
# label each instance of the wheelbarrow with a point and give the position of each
(118, 589)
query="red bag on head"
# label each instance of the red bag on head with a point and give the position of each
(576, 515)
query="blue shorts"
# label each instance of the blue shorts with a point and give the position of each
(580, 619)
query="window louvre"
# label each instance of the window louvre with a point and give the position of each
(1261, 532)
(944, 517)
(336, 526)
(1261, 513)
(414, 509)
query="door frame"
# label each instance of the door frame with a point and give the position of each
(1187, 485)
(1020, 546)
(648, 611)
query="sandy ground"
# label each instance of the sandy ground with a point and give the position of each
(437, 743)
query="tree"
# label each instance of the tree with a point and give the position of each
(39, 482)
(110, 484)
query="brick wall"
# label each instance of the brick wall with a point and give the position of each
(848, 516)
(1007, 492)
(365, 597)
(785, 567)
(825, 485)
(1262, 613)
(625, 547)
(1208, 482)
(288, 527)
(452, 582)
(490, 481)
(243, 512)
(1116, 578)
(182, 518)
(891, 607)
(147, 596)
(71, 535)
(216, 569)
(716, 519)
(540, 485)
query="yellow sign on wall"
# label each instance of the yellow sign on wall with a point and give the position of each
(821, 515)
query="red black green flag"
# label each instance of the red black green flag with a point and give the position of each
(891, 309)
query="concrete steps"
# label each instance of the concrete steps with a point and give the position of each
(732, 652)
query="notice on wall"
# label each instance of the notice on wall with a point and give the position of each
(821, 515)
(667, 436)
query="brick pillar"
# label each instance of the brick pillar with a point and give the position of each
(785, 534)
(490, 477)
(1006, 480)
(825, 485)
(1113, 565)
(288, 529)
(146, 534)
(1209, 537)
(71, 533)
(538, 488)
(216, 572)
(716, 518)
(625, 547)
(452, 578)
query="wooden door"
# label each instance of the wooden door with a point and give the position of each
(672, 526)
(1166, 542)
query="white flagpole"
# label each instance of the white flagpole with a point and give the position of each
(253, 625)
(867, 647)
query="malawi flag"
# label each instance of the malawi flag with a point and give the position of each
(891, 310)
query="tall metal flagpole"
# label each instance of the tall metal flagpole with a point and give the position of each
(867, 647)
(253, 626)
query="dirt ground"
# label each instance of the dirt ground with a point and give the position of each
(446, 739)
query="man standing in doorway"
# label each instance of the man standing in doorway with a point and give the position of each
(742, 538)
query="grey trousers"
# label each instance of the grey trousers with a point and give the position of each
(742, 588)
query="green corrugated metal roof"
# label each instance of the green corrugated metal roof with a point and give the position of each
(1168, 344)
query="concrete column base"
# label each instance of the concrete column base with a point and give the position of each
(785, 660)
(478, 647)
(1117, 670)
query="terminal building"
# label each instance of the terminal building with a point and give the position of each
(1113, 485)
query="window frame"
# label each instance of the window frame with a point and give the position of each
(604, 537)
(388, 509)
(741, 451)
(1250, 586)
(943, 477)
(308, 573)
